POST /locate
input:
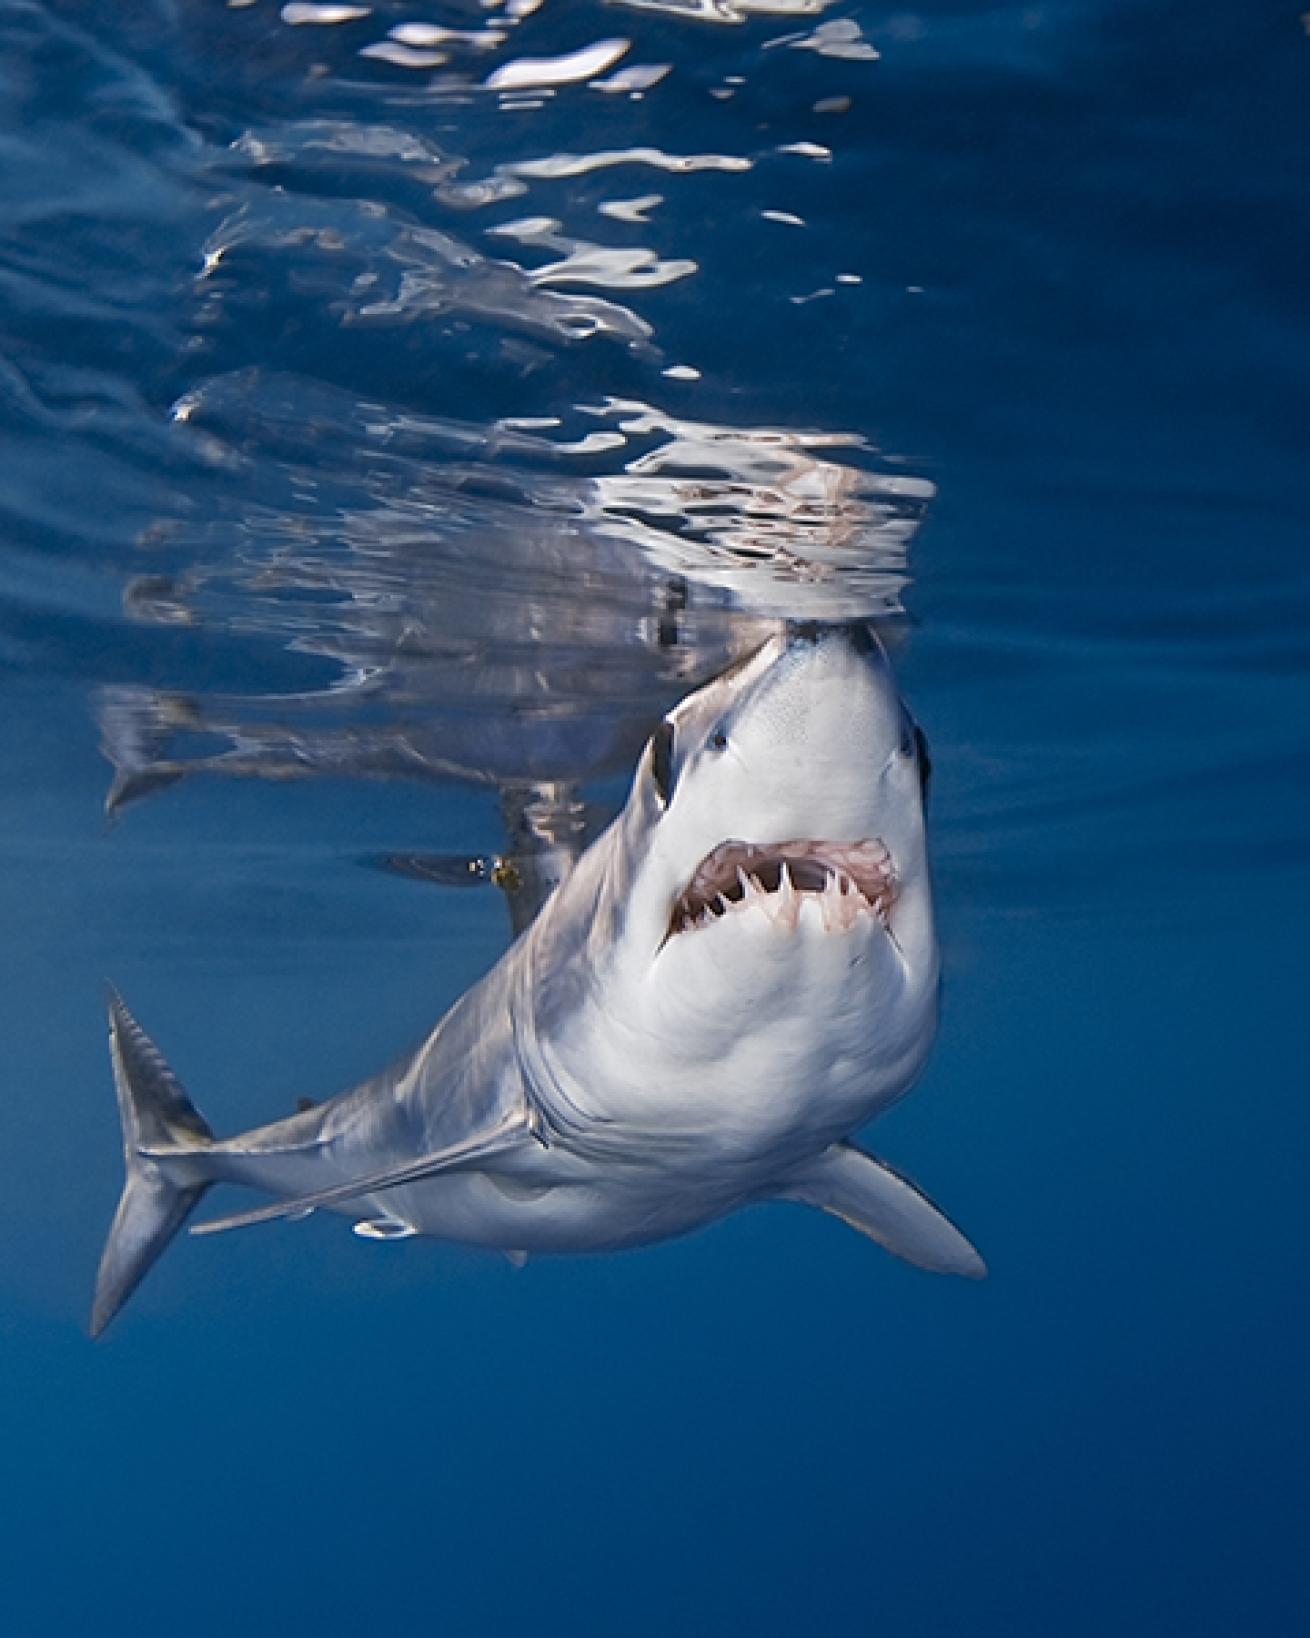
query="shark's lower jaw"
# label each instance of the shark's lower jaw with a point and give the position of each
(845, 880)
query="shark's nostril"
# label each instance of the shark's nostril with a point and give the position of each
(857, 635)
(805, 632)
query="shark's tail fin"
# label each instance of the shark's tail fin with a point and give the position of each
(164, 1138)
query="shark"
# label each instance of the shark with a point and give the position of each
(737, 976)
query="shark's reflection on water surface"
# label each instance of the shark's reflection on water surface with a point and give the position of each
(738, 974)
(473, 607)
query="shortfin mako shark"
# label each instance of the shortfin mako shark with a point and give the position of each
(736, 976)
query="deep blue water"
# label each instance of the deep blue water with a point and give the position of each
(333, 505)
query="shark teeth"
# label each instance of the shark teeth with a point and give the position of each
(845, 880)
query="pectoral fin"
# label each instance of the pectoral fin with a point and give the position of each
(506, 1134)
(866, 1193)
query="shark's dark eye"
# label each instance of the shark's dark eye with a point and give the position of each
(914, 747)
(925, 760)
(661, 761)
(718, 740)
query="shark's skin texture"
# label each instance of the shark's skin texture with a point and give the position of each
(646, 1057)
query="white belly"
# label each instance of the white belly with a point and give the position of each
(589, 1212)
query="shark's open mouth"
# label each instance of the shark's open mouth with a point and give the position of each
(847, 879)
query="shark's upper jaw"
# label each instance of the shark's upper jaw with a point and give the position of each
(846, 880)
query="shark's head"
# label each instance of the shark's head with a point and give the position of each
(786, 795)
(767, 898)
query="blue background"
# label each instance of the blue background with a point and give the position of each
(769, 1427)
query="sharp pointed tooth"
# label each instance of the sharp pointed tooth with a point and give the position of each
(747, 884)
(789, 900)
(723, 903)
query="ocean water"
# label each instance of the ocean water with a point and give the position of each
(402, 405)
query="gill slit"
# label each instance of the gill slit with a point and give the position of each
(554, 1113)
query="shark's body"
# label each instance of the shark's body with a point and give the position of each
(738, 974)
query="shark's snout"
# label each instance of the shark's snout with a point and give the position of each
(826, 696)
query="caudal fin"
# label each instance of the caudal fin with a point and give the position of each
(164, 1136)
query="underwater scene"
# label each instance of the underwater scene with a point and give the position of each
(654, 817)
